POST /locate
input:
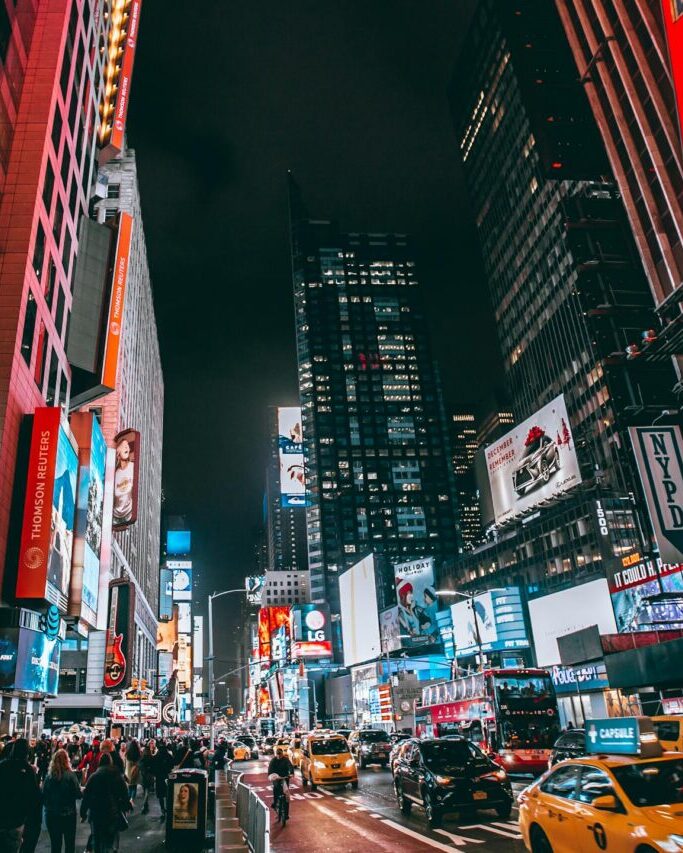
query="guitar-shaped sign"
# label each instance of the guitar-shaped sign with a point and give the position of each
(115, 660)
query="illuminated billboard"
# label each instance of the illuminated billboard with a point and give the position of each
(291, 456)
(185, 617)
(360, 620)
(198, 641)
(254, 585)
(673, 24)
(532, 463)
(178, 542)
(647, 595)
(165, 594)
(312, 632)
(417, 602)
(167, 633)
(269, 620)
(182, 585)
(498, 618)
(85, 566)
(30, 649)
(390, 630)
(185, 661)
(126, 475)
(114, 329)
(120, 636)
(46, 547)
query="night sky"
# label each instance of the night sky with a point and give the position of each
(227, 96)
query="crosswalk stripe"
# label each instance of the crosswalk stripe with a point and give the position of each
(486, 827)
(431, 842)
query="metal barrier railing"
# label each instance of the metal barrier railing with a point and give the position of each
(254, 818)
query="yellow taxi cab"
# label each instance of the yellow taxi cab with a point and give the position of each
(294, 751)
(240, 751)
(669, 730)
(624, 795)
(326, 760)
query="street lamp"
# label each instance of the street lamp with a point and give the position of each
(212, 685)
(469, 596)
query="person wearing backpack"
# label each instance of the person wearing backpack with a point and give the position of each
(60, 792)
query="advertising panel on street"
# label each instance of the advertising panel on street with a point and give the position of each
(126, 475)
(390, 629)
(499, 619)
(417, 602)
(146, 711)
(570, 610)
(120, 636)
(360, 619)
(444, 619)
(85, 565)
(30, 649)
(673, 24)
(291, 457)
(46, 547)
(659, 456)
(178, 542)
(647, 595)
(532, 463)
(312, 631)
(182, 585)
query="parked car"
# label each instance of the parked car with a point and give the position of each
(370, 746)
(451, 775)
(570, 744)
(540, 461)
(249, 741)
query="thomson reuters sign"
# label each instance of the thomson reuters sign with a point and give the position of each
(117, 301)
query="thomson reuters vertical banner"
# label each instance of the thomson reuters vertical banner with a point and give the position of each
(673, 23)
(125, 77)
(112, 342)
(36, 532)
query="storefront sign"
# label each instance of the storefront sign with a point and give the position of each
(622, 736)
(573, 679)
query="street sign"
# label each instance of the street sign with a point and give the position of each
(622, 736)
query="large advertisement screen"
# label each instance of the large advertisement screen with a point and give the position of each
(533, 462)
(497, 616)
(417, 602)
(120, 636)
(167, 632)
(126, 475)
(312, 633)
(185, 617)
(182, 585)
(390, 629)
(269, 620)
(291, 455)
(360, 620)
(647, 595)
(37, 662)
(178, 542)
(562, 613)
(165, 594)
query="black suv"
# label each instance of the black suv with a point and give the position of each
(449, 775)
(370, 746)
(249, 741)
(571, 744)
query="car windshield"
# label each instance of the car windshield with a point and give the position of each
(523, 687)
(333, 746)
(652, 783)
(374, 736)
(446, 756)
(529, 732)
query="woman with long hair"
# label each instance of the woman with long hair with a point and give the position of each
(105, 799)
(60, 792)
(133, 756)
(147, 772)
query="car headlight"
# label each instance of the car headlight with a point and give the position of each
(349, 762)
(319, 764)
(444, 780)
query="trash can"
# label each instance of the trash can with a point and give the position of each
(186, 809)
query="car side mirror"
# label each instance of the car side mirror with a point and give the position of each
(606, 803)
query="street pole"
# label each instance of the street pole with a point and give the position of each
(210, 658)
(477, 635)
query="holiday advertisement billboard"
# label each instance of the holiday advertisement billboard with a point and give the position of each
(120, 636)
(46, 547)
(85, 566)
(417, 602)
(291, 456)
(126, 476)
(498, 618)
(532, 463)
(360, 619)
(647, 595)
(312, 631)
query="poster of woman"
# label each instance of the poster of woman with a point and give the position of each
(417, 602)
(127, 445)
(185, 805)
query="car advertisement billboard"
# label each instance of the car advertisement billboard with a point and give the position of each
(46, 547)
(291, 457)
(570, 610)
(360, 619)
(182, 585)
(647, 595)
(88, 527)
(126, 476)
(498, 617)
(532, 463)
(312, 631)
(417, 602)
(120, 636)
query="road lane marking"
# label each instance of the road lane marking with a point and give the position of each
(431, 842)
(368, 836)
(374, 814)
(488, 828)
(508, 824)
(459, 840)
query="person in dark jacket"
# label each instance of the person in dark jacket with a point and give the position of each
(20, 796)
(60, 792)
(109, 746)
(105, 799)
(147, 772)
(162, 764)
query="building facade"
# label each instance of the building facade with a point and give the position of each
(375, 435)
(464, 445)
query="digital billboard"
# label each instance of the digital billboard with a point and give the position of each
(182, 585)
(46, 547)
(499, 620)
(185, 617)
(254, 586)
(165, 594)
(185, 661)
(390, 629)
(9, 645)
(178, 542)
(37, 662)
(417, 602)
(269, 620)
(167, 632)
(85, 566)
(312, 631)
(647, 595)
(291, 457)
(533, 462)
(673, 25)
(126, 475)
(360, 619)
(117, 301)
(198, 641)
(570, 610)
(120, 636)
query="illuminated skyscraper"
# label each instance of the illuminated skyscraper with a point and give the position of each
(464, 446)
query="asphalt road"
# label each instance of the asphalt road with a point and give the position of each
(338, 818)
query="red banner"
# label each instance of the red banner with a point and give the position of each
(673, 22)
(118, 295)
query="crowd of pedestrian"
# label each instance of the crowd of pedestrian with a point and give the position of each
(47, 778)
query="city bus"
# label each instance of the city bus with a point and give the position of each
(510, 713)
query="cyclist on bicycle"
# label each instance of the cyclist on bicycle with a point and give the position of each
(281, 766)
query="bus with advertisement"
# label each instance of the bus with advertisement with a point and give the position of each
(510, 713)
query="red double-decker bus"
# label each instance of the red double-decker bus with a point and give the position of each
(510, 713)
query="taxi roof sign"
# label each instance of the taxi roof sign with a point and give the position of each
(623, 736)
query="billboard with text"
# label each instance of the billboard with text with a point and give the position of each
(291, 457)
(417, 602)
(312, 631)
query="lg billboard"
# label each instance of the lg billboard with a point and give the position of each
(532, 463)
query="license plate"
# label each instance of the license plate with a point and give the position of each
(479, 795)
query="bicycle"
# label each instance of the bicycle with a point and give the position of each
(280, 797)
